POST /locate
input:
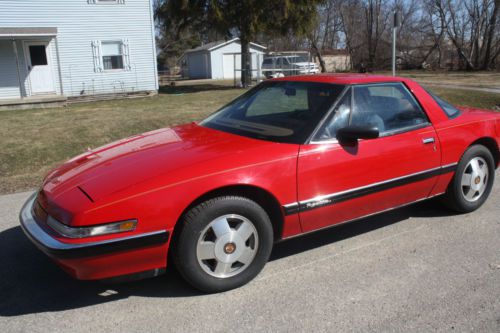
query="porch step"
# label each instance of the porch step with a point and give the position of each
(108, 97)
(32, 102)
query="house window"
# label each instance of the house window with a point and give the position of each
(38, 56)
(112, 55)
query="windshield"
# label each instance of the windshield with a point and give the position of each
(279, 111)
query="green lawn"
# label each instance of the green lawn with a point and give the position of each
(469, 98)
(34, 141)
(465, 79)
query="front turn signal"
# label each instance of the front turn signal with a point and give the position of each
(98, 230)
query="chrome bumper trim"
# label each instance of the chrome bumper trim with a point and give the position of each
(53, 247)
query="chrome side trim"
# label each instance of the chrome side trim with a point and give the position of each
(332, 198)
(359, 218)
(291, 208)
(382, 135)
(48, 244)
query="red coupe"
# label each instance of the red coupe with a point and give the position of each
(290, 156)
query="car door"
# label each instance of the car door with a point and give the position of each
(338, 182)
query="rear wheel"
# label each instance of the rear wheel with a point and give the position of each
(473, 180)
(224, 243)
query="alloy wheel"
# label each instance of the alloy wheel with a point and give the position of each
(475, 179)
(227, 246)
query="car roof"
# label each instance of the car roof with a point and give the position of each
(349, 78)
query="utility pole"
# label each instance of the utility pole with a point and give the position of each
(396, 25)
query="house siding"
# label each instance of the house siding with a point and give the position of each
(9, 83)
(79, 23)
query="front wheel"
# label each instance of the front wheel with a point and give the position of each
(473, 180)
(223, 243)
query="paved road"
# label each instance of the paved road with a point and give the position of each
(417, 269)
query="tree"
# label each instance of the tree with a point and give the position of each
(472, 27)
(243, 18)
(433, 31)
(326, 33)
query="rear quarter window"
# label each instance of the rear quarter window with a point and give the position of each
(450, 110)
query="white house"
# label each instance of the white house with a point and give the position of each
(61, 48)
(221, 60)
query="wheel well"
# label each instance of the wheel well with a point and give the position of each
(492, 146)
(262, 197)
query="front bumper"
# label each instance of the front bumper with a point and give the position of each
(101, 259)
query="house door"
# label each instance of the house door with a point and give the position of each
(40, 74)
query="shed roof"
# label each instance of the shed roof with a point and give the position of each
(215, 45)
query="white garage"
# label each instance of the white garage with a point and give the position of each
(221, 60)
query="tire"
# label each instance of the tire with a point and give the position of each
(223, 243)
(473, 180)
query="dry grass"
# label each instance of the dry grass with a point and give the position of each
(466, 79)
(476, 99)
(34, 141)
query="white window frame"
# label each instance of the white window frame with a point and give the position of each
(106, 2)
(122, 49)
(99, 56)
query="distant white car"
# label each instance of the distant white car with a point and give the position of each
(286, 65)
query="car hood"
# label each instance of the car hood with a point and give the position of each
(110, 169)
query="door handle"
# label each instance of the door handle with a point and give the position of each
(426, 141)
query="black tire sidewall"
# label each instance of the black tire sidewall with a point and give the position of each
(456, 195)
(197, 219)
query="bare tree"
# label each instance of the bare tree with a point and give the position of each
(454, 34)
(471, 25)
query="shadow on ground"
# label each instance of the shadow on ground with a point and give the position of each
(187, 89)
(31, 283)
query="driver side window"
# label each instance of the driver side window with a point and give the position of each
(337, 119)
(388, 106)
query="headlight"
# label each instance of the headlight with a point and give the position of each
(98, 230)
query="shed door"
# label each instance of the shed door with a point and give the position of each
(228, 65)
(39, 68)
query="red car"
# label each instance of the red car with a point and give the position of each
(290, 156)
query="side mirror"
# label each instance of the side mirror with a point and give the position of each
(354, 133)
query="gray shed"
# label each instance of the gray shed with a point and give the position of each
(218, 60)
